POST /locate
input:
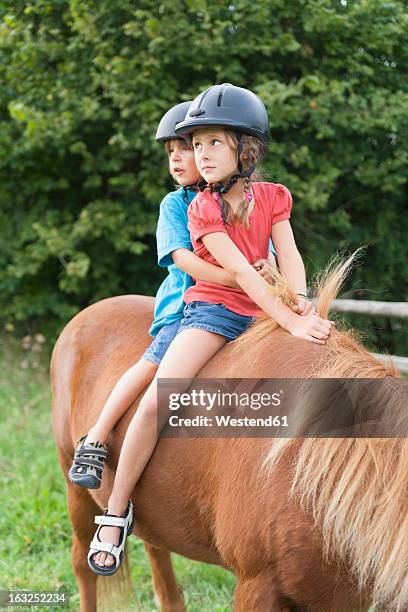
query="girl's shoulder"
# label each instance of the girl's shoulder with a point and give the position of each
(276, 198)
(176, 202)
(205, 211)
(172, 198)
(204, 201)
(173, 208)
(266, 189)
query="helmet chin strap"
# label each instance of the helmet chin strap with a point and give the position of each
(192, 187)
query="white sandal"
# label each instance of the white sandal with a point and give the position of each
(126, 526)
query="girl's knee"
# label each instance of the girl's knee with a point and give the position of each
(148, 409)
(149, 366)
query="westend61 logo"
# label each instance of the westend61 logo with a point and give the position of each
(206, 400)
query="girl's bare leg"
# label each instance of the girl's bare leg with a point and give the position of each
(141, 436)
(126, 390)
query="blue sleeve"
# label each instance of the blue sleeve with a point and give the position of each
(172, 232)
(271, 247)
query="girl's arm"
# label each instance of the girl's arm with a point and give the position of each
(202, 270)
(291, 264)
(223, 249)
(289, 259)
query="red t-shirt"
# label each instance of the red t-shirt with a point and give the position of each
(273, 203)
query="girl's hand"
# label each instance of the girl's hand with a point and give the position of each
(310, 327)
(303, 307)
(264, 267)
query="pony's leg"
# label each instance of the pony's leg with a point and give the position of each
(169, 594)
(114, 592)
(257, 593)
(82, 510)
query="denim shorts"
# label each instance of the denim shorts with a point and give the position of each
(215, 318)
(161, 342)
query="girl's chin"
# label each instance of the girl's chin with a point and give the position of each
(213, 178)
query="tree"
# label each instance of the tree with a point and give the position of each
(84, 84)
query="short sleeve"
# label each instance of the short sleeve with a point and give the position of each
(204, 216)
(172, 232)
(283, 204)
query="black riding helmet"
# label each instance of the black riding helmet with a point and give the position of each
(167, 125)
(230, 107)
(227, 106)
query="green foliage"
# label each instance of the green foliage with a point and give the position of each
(84, 84)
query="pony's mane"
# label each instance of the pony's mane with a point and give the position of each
(354, 488)
(345, 357)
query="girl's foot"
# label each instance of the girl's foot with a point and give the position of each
(109, 540)
(87, 468)
(108, 535)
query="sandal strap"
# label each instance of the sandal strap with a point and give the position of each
(91, 450)
(114, 521)
(95, 545)
(91, 462)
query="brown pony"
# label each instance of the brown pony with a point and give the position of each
(305, 525)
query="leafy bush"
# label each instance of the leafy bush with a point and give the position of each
(84, 84)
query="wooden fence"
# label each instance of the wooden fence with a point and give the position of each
(389, 309)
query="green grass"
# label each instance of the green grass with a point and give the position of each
(34, 528)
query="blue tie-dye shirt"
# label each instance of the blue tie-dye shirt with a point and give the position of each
(172, 234)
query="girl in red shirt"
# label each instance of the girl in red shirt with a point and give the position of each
(230, 223)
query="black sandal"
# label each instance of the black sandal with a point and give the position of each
(87, 467)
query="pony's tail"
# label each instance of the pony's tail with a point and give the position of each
(330, 280)
(116, 593)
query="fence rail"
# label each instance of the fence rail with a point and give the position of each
(388, 309)
(370, 307)
(400, 362)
